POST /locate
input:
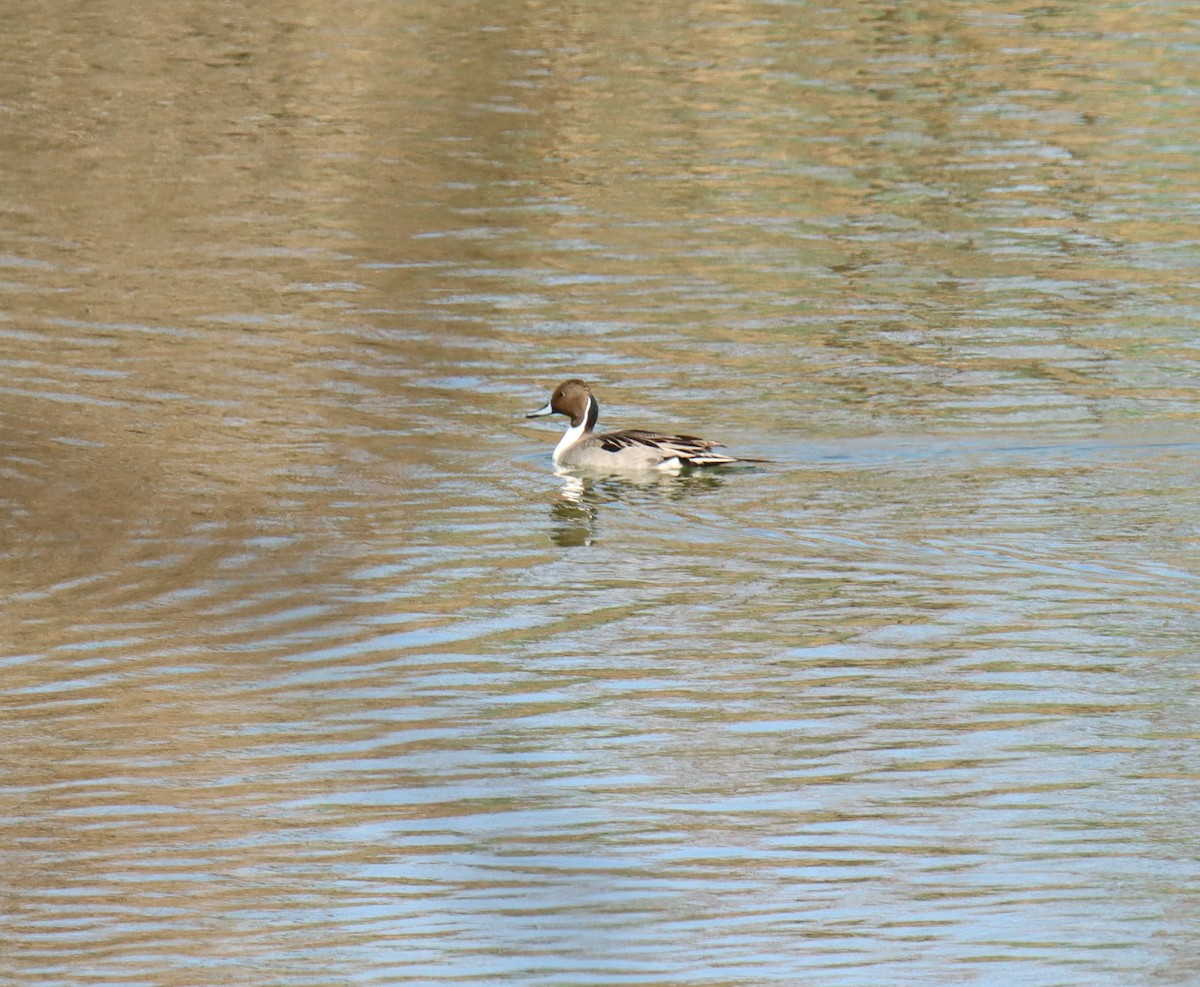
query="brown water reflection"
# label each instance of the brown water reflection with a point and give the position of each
(316, 673)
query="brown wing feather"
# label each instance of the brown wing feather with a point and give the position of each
(688, 449)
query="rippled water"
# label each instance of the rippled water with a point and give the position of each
(316, 673)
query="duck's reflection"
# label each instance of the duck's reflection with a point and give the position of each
(576, 514)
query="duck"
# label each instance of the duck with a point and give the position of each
(630, 449)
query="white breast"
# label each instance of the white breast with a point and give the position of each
(572, 435)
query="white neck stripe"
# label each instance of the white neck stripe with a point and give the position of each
(572, 434)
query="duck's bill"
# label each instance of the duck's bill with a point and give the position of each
(541, 412)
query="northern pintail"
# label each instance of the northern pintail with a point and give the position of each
(631, 449)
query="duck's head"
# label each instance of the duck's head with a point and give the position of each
(572, 398)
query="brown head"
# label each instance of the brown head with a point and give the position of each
(572, 398)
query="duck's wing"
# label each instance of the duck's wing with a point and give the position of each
(690, 450)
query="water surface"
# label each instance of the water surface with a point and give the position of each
(316, 673)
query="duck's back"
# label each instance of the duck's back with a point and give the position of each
(637, 448)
